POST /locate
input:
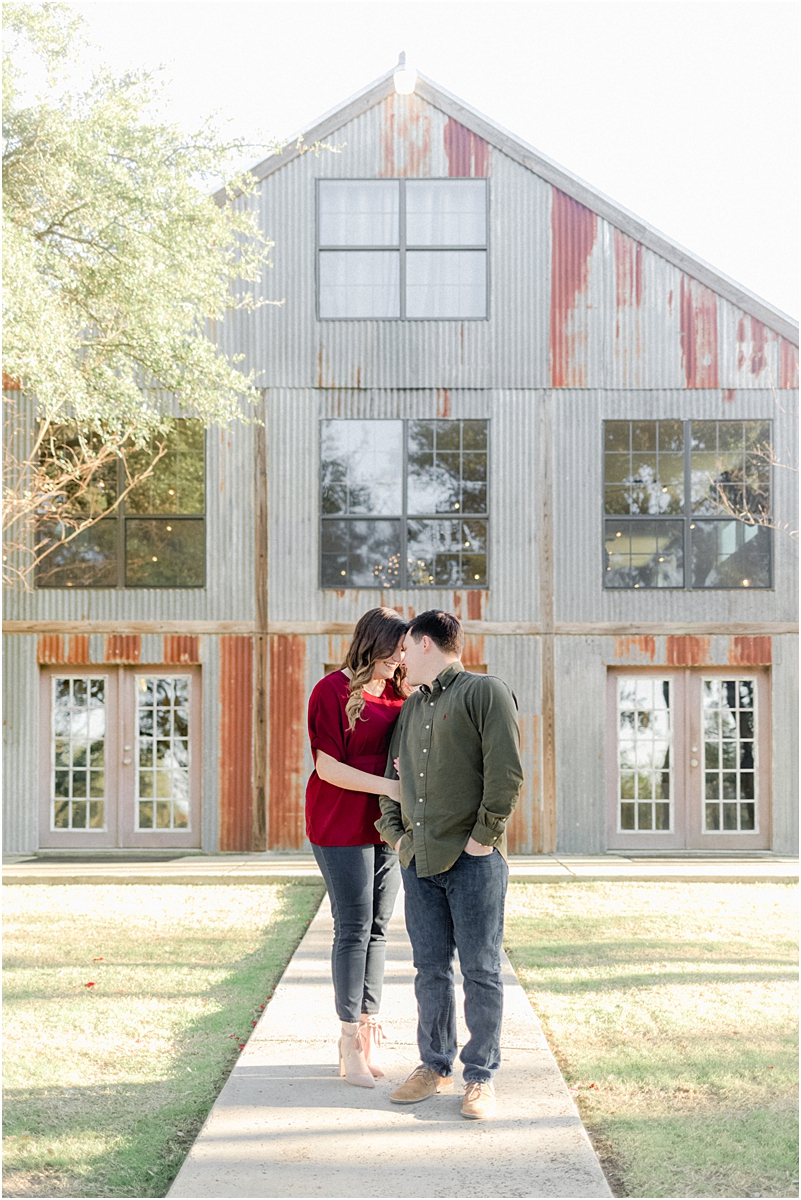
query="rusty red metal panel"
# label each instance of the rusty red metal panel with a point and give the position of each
(285, 827)
(750, 651)
(123, 648)
(698, 314)
(729, 395)
(574, 229)
(78, 648)
(687, 651)
(443, 402)
(236, 743)
(638, 648)
(475, 605)
(10, 384)
(628, 272)
(181, 648)
(50, 648)
(473, 654)
(468, 154)
(405, 137)
(788, 364)
(524, 829)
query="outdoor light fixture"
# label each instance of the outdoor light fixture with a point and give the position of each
(405, 76)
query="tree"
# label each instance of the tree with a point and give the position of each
(117, 266)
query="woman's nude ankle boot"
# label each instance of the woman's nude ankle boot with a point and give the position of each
(352, 1063)
(372, 1035)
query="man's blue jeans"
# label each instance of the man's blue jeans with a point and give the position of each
(461, 909)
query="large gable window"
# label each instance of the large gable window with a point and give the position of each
(686, 504)
(402, 249)
(403, 504)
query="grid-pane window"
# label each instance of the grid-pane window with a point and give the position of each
(686, 504)
(729, 725)
(155, 537)
(404, 503)
(402, 249)
(162, 752)
(644, 746)
(78, 775)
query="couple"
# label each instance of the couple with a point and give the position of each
(429, 776)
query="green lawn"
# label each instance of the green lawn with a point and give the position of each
(107, 1086)
(671, 1009)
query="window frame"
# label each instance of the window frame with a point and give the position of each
(121, 516)
(402, 246)
(685, 516)
(402, 517)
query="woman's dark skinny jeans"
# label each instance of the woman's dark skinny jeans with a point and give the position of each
(362, 883)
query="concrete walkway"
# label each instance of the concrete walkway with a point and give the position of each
(132, 867)
(286, 1125)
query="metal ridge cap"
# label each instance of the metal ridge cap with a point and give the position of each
(611, 210)
(331, 120)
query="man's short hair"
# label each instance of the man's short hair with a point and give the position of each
(444, 629)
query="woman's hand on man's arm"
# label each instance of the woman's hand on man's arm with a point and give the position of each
(339, 774)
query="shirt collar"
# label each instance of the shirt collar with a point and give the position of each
(443, 679)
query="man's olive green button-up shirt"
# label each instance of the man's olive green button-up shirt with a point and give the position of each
(458, 746)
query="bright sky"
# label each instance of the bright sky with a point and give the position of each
(686, 113)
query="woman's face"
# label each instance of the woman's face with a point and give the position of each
(385, 668)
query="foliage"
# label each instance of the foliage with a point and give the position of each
(118, 266)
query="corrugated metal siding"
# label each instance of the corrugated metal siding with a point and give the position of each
(228, 594)
(210, 800)
(578, 482)
(20, 746)
(287, 757)
(580, 703)
(784, 702)
(236, 743)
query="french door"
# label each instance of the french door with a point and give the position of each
(688, 759)
(120, 758)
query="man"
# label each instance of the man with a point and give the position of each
(456, 748)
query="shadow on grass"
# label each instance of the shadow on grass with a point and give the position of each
(143, 1131)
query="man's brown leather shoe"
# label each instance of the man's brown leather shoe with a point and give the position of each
(479, 1100)
(422, 1083)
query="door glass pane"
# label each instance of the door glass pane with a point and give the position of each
(446, 284)
(644, 748)
(446, 213)
(728, 722)
(360, 283)
(162, 752)
(359, 213)
(78, 780)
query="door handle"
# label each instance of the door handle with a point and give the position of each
(126, 762)
(693, 762)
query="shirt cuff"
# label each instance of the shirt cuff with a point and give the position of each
(485, 835)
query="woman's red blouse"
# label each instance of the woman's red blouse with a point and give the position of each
(335, 816)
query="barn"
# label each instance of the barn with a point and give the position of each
(490, 389)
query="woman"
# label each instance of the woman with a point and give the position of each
(352, 713)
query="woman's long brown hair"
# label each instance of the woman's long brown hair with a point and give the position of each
(375, 637)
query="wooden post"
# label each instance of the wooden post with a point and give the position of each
(546, 566)
(260, 641)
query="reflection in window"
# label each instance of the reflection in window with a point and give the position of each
(729, 721)
(402, 249)
(162, 752)
(437, 537)
(644, 554)
(664, 475)
(78, 797)
(167, 550)
(730, 554)
(644, 755)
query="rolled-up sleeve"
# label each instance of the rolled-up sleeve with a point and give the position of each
(497, 723)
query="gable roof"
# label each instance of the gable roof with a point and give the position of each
(533, 160)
